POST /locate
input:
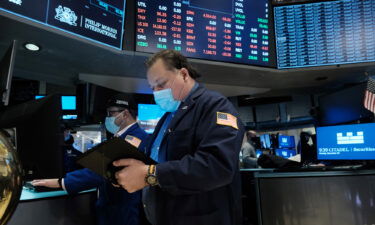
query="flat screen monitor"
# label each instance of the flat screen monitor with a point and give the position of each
(39, 137)
(343, 106)
(68, 105)
(345, 199)
(68, 102)
(237, 31)
(148, 116)
(6, 72)
(265, 141)
(346, 142)
(101, 21)
(286, 141)
(325, 33)
(285, 153)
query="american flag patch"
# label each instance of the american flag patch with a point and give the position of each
(226, 119)
(133, 140)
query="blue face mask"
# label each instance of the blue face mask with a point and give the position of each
(110, 125)
(164, 98)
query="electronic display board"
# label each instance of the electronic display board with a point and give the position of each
(236, 31)
(325, 33)
(98, 20)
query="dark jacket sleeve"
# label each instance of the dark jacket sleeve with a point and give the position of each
(81, 180)
(214, 159)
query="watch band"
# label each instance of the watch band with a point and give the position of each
(151, 178)
(152, 170)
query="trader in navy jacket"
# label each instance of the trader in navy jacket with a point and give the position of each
(197, 144)
(115, 206)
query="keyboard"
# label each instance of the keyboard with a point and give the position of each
(28, 186)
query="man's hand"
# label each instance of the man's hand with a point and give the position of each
(132, 176)
(51, 183)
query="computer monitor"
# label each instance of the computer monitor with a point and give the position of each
(68, 102)
(346, 142)
(39, 137)
(285, 153)
(68, 106)
(148, 116)
(344, 106)
(6, 73)
(286, 141)
(265, 141)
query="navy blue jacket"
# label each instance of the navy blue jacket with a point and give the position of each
(70, 155)
(200, 181)
(115, 206)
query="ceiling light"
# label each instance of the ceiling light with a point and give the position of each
(32, 47)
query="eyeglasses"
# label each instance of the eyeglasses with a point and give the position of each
(113, 112)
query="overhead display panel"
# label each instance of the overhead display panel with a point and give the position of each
(325, 33)
(236, 31)
(98, 20)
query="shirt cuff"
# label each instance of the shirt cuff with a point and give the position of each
(63, 184)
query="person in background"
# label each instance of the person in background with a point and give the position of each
(70, 153)
(114, 206)
(249, 158)
(196, 144)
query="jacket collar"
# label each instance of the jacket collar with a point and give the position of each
(129, 130)
(186, 106)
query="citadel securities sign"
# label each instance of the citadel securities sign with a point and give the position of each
(76, 17)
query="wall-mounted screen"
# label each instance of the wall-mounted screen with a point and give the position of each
(98, 20)
(236, 31)
(325, 33)
(148, 116)
(346, 142)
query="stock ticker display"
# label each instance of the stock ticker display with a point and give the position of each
(222, 30)
(325, 33)
(98, 20)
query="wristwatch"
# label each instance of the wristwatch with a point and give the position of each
(151, 178)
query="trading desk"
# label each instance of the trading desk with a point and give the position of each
(269, 197)
(54, 207)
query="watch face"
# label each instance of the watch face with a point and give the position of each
(151, 180)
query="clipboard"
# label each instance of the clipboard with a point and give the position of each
(99, 158)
